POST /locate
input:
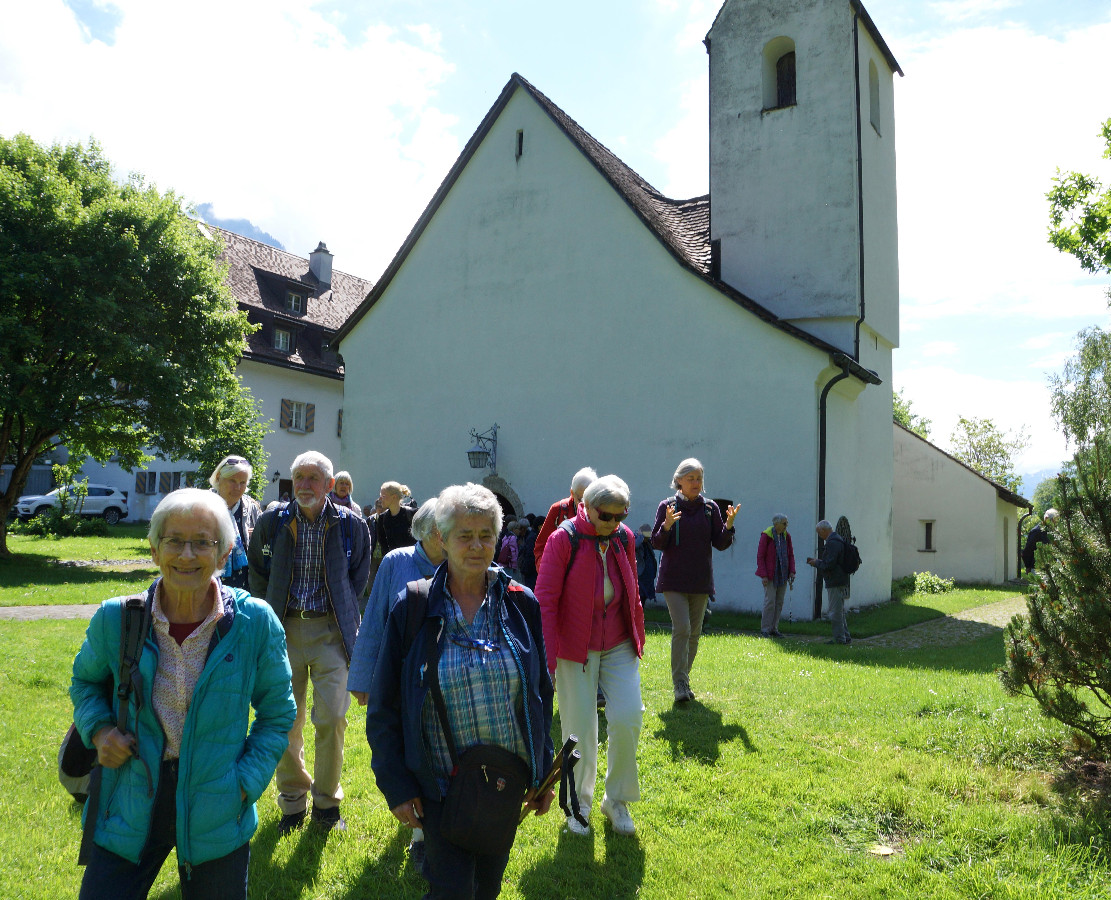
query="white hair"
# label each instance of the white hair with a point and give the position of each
(582, 478)
(314, 459)
(424, 520)
(468, 499)
(779, 517)
(609, 490)
(685, 468)
(190, 500)
(823, 526)
(230, 465)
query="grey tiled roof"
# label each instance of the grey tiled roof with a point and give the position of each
(684, 225)
(259, 276)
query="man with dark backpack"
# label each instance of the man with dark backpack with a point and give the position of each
(838, 560)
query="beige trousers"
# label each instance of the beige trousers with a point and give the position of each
(315, 649)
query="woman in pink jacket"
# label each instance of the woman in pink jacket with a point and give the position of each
(594, 637)
(775, 567)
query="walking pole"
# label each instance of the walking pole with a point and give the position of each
(554, 773)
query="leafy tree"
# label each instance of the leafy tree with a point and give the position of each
(905, 416)
(117, 331)
(241, 432)
(1060, 651)
(1080, 215)
(978, 443)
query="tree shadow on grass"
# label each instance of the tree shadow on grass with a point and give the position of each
(696, 731)
(573, 870)
(981, 653)
(24, 573)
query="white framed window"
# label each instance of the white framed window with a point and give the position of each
(283, 339)
(294, 302)
(298, 416)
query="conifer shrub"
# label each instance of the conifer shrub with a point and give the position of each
(1059, 653)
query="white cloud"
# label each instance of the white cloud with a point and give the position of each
(943, 394)
(961, 10)
(272, 114)
(939, 348)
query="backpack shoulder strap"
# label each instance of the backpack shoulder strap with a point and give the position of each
(133, 632)
(568, 526)
(416, 598)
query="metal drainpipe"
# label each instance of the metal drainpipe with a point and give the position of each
(822, 418)
(859, 183)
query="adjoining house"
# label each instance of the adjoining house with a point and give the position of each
(549, 289)
(290, 364)
(949, 519)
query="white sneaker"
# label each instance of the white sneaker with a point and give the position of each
(576, 827)
(618, 814)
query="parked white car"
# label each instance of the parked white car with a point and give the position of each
(102, 501)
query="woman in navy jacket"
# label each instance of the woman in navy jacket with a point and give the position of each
(488, 646)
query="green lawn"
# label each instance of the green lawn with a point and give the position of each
(801, 771)
(38, 574)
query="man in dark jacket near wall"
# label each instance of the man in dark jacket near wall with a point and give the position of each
(836, 579)
(310, 560)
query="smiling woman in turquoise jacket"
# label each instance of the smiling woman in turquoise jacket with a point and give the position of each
(192, 765)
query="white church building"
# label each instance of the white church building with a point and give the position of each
(550, 289)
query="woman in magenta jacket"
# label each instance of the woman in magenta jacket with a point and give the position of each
(775, 567)
(594, 637)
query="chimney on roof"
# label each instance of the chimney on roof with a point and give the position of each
(320, 263)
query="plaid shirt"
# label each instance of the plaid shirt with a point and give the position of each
(307, 587)
(481, 688)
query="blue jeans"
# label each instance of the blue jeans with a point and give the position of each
(452, 872)
(111, 877)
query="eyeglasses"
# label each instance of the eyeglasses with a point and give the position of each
(612, 517)
(200, 547)
(473, 643)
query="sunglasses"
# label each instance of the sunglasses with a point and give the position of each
(612, 517)
(473, 643)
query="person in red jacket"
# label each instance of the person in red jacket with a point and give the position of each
(561, 511)
(775, 567)
(594, 638)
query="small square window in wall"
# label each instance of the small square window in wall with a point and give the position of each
(294, 302)
(928, 536)
(282, 340)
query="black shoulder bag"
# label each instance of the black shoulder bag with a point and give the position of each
(488, 783)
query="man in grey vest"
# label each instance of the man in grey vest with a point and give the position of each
(836, 579)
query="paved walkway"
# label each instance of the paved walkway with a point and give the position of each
(959, 628)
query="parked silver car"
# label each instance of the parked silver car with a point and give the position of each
(102, 501)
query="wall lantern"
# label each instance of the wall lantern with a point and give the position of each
(485, 450)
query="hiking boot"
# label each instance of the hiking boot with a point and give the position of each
(328, 819)
(290, 822)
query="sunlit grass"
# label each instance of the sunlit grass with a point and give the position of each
(801, 771)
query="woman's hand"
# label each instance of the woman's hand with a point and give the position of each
(360, 696)
(764, 582)
(409, 813)
(671, 516)
(730, 514)
(113, 748)
(541, 804)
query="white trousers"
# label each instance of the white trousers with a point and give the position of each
(617, 672)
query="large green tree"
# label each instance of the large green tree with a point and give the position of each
(117, 330)
(980, 444)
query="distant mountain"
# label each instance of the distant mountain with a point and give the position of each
(238, 226)
(1030, 480)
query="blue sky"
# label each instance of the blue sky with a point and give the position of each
(337, 120)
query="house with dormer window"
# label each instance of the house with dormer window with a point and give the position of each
(289, 365)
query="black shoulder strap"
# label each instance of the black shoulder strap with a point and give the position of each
(135, 618)
(416, 596)
(568, 526)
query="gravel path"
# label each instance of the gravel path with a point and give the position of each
(959, 628)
